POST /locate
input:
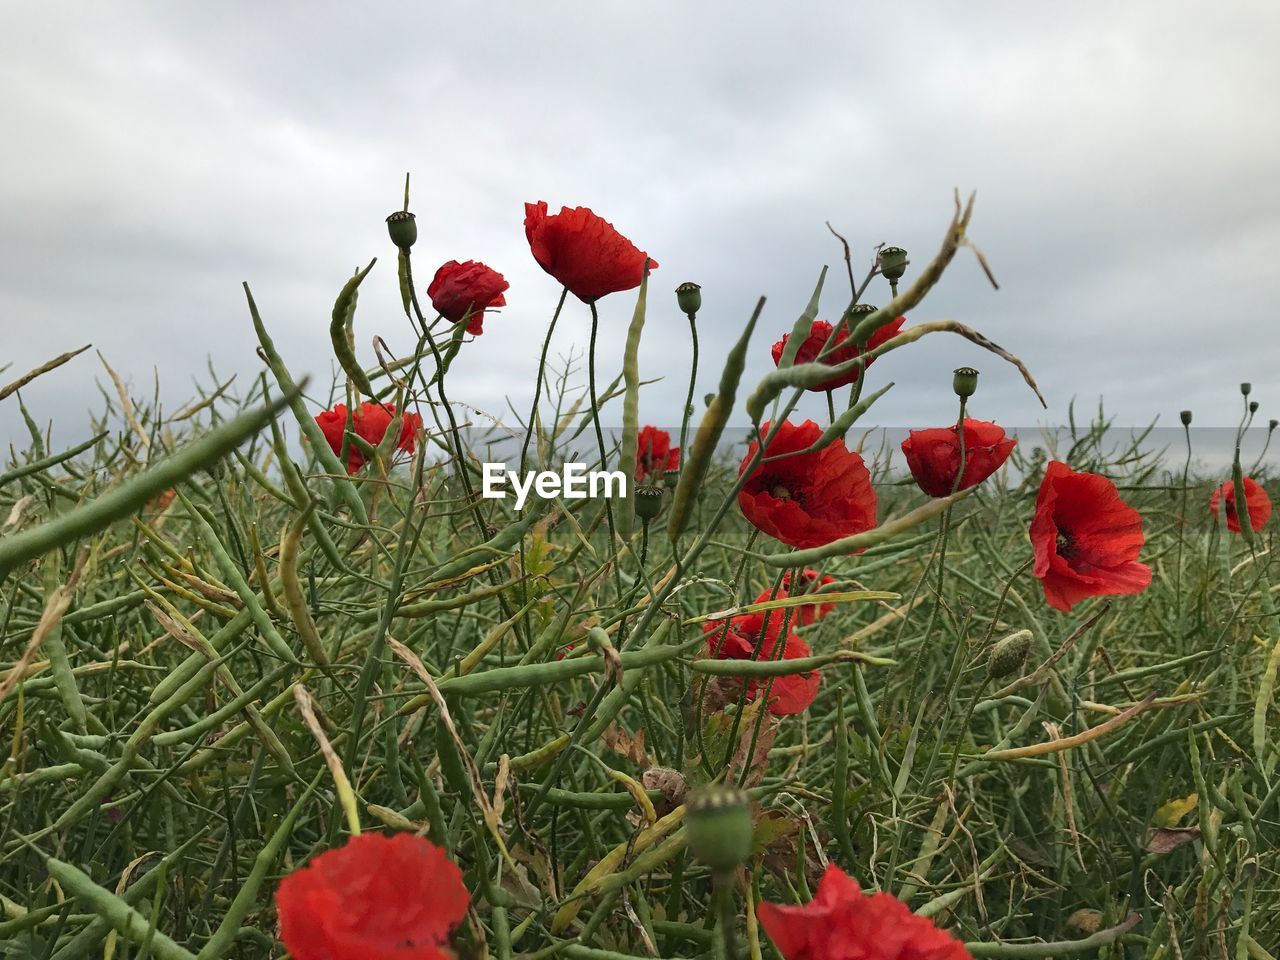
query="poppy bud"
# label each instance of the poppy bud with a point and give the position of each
(1271, 425)
(965, 382)
(672, 477)
(1246, 389)
(893, 263)
(689, 297)
(1253, 406)
(648, 503)
(1186, 418)
(402, 228)
(719, 827)
(1008, 655)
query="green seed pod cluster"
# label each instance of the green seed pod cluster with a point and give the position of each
(1008, 655)
(719, 826)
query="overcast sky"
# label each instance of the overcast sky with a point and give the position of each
(1124, 155)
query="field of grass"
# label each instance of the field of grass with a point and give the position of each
(221, 655)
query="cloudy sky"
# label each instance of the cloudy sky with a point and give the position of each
(1124, 157)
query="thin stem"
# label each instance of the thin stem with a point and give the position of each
(693, 377)
(537, 390)
(595, 421)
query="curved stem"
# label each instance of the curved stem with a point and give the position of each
(693, 377)
(537, 390)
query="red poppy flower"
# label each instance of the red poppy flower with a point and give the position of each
(459, 287)
(810, 499)
(737, 639)
(843, 923)
(654, 453)
(370, 424)
(934, 455)
(377, 898)
(584, 252)
(813, 344)
(1255, 500)
(1086, 539)
(806, 613)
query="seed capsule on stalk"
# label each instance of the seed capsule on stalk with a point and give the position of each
(1186, 418)
(719, 827)
(893, 263)
(689, 298)
(965, 382)
(649, 502)
(402, 228)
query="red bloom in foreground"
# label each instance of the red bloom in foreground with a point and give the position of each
(377, 898)
(843, 351)
(737, 640)
(370, 424)
(843, 923)
(584, 252)
(1086, 539)
(1256, 502)
(806, 613)
(810, 499)
(934, 455)
(654, 453)
(459, 287)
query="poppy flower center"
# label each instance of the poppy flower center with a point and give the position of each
(779, 492)
(1066, 545)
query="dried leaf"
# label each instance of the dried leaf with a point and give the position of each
(1164, 839)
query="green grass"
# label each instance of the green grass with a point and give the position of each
(155, 747)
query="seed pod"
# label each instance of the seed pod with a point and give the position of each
(1246, 389)
(965, 382)
(402, 271)
(631, 406)
(893, 263)
(649, 501)
(451, 767)
(689, 299)
(804, 323)
(291, 584)
(402, 228)
(1186, 418)
(719, 826)
(344, 309)
(855, 315)
(709, 431)
(1008, 655)
(671, 477)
